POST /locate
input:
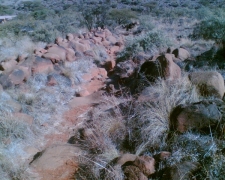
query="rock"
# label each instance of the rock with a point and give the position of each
(53, 57)
(110, 64)
(56, 162)
(183, 170)
(133, 173)
(8, 65)
(42, 66)
(17, 76)
(21, 57)
(26, 70)
(23, 118)
(146, 164)
(162, 156)
(162, 67)
(14, 105)
(83, 93)
(89, 53)
(89, 100)
(40, 51)
(59, 51)
(199, 115)
(209, 83)
(125, 158)
(51, 81)
(181, 54)
(125, 69)
(5, 81)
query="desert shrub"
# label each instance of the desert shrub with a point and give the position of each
(6, 10)
(200, 148)
(9, 170)
(150, 125)
(30, 6)
(13, 45)
(94, 15)
(151, 42)
(11, 128)
(145, 22)
(122, 16)
(42, 14)
(211, 28)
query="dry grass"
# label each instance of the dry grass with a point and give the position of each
(13, 46)
(151, 121)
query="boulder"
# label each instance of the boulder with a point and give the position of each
(23, 118)
(53, 57)
(42, 65)
(183, 170)
(51, 81)
(125, 158)
(146, 164)
(8, 65)
(17, 76)
(125, 69)
(82, 93)
(135, 167)
(162, 67)
(14, 106)
(198, 115)
(78, 46)
(59, 51)
(26, 70)
(133, 173)
(181, 53)
(39, 51)
(56, 162)
(209, 83)
(110, 64)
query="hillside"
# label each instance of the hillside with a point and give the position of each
(112, 90)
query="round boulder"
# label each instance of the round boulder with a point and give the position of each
(209, 83)
(198, 115)
(162, 67)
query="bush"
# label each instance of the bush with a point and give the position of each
(150, 126)
(122, 16)
(30, 6)
(151, 42)
(212, 28)
(5, 10)
(11, 128)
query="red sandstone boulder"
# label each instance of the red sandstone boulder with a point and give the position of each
(181, 54)
(198, 116)
(162, 67)
(57, 162)
(23, 118)
(17, 76)
(42, 66)
(53, 57)
(8, 65)
(209, 83)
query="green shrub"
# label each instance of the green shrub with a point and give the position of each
(31, 6)
(212, 28)
(11, 128)
(122, 16)
(150, 42)
(42, 14)
(5, 10)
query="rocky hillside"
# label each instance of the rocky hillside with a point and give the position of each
(112, 90)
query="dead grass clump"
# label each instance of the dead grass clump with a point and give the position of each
(102, 136)
(11, 128)
(14, 46)
(150, 125)
(10, 170)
